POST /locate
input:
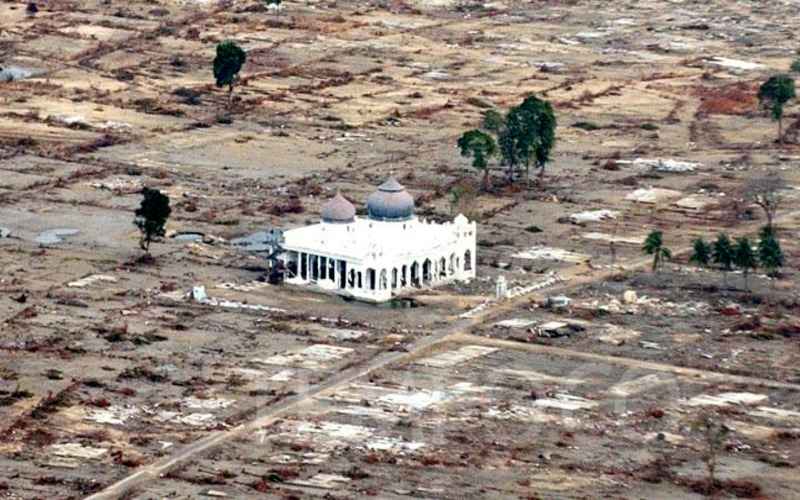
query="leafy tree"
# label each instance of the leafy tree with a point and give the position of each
(654, 245)
(774, 94)
(745, 258)
(229, 61)
(151, 217)
(493, 121)
(767, 193)
(795, 67)
(480, 147)
(769, 251)
(528, 136)
(701, 254)
(722, 254)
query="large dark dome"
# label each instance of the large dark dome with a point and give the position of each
(338, 210)
(391, 202)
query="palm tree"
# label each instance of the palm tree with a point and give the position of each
(654, 245)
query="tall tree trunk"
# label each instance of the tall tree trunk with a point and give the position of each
(486, 185)
(230, 95)
(780, 130)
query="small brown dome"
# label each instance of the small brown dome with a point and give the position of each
(338, 210)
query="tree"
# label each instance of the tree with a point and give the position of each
(722, 254)
(701, 254)
(480, 147)
(229, 61)
(714, 435)
(767, 193)
(528, 135)
(744, 258)
(774, 94)
(151, 217)
(654, 245)
(769, 251)
(493, 121)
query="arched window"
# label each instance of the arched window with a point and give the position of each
(468, 261)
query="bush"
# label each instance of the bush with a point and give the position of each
(795, 67)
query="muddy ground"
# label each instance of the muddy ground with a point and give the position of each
(107, 368)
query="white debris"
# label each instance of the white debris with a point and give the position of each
(393, 444)
(549, 253)
(436, 75)
(452, 358)
(639, 385)
(207, 404)
(616, 335)
(113, 415)
(323, 481)
(775, 413)
(313, 357)
(696, 202)
(593, 216)
(566, 402)
(193, 419)
(727, 398)
(94, 278)
(414, 400)
(77, 450)
(734, 64)
(121, 185)
(630, 240)
(630, 297)
(283, 376)
(199, 294)
(515, 323)
(652, 195)
(335, 430)
(346, 334)
(661, 165)
(530, 414)
(69, 120)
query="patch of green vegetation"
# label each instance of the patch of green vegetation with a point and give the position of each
(648, 126)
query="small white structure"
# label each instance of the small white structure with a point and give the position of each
(386, 254)
(501, 288)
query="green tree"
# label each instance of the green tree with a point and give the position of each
(745, 258)
(151, 217)
(769, 251)
(528, 135)
(480, 147)
(774, 94)
(654, 245)
(229, 61)
(701, 254)
(722, 254)
(493, 121)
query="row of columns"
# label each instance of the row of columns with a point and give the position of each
(316, 268)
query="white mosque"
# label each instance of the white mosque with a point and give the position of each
(388, 253)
